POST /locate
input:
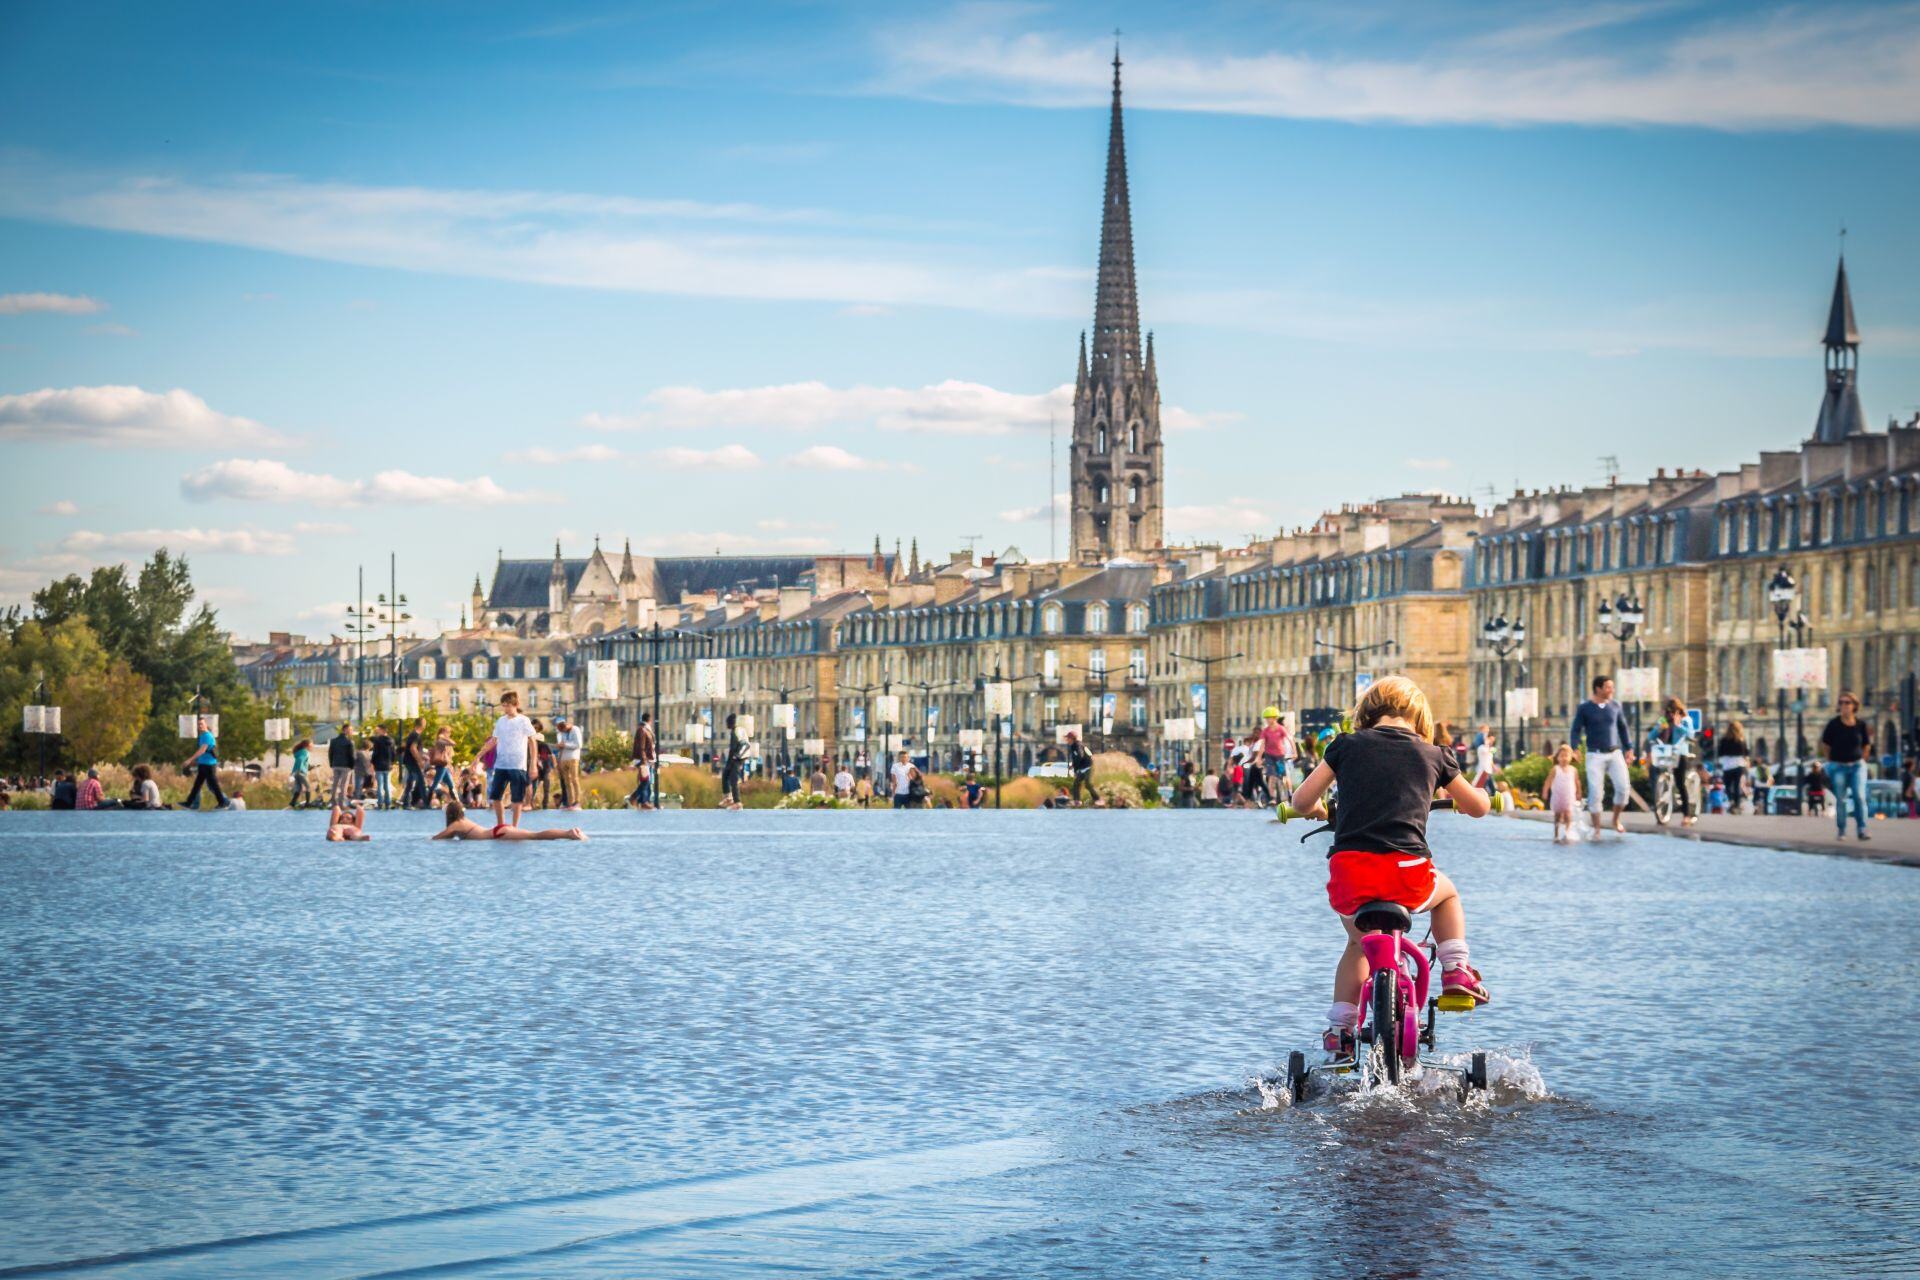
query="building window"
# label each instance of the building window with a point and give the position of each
(1096, 617)
(1051, 619)
(1137, 713)
(533, 699)
(453, 699)
(1097, 664)
(1133, 492)
(1137, 665)
(1053, 709)
(426, 668)
(1100, 439)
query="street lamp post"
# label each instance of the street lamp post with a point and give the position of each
(1353, 651)
(1621, 619)
(1780, 593)
(1506, 638)
(1207, 664)
(999, 722)
(926, 688)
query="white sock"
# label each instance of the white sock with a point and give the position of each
(1453, 954)
(1343, 1016)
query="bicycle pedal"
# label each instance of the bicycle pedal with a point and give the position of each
(1456, 1002)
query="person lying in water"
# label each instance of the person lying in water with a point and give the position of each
(461, 827)
(345, 824)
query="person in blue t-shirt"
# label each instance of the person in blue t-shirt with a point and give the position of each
(203, 762)
(1602, 723)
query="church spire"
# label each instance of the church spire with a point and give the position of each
(1841, 414)
(1116, 308)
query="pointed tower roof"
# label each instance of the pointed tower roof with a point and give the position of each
(1116, 307)
(626, 563)
(1841, 330)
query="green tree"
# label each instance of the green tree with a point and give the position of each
(610, 749)
(34, 654)
(103, 711)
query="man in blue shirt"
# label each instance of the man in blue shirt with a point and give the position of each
(1602, 724)
(203, 761)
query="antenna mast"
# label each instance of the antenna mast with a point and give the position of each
(1053, 512)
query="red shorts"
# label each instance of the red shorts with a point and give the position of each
(1356, 877)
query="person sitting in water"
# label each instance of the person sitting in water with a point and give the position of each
(461, 827)
(345, 824)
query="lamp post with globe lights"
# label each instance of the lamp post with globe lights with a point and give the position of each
(1506, 639)
(1622, 619)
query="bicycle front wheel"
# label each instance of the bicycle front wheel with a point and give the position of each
(1663, 796)
(1385, 1012)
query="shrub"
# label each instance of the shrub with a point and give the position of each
(1529, 773)
(759, 793)
(610, 749)
(697, 788)
(813, 800)
(1120, 795)
(31, 800)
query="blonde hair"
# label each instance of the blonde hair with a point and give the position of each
(1395, 696)
(1563, 750)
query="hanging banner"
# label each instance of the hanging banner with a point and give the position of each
(1108, 705)
(1199, 702)
(886, 708)
(697, 731)
(278, 731)
(785, 716)
(1800, 668)
(188, 729)
(743, 725)
(999, 695)
(1523, 704)
(859, 730)
(813, 746)
(933, 720)
(710, 677)
(603, 679)
(1180, 729)
(973, 739)
(404, 703)
(1362, 681)
(40, 720)
(1060, 732)
(1637, 684)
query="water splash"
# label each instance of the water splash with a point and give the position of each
(1512, 1077)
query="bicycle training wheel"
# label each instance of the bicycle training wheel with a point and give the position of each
(1663, 796)
(1386, 1023)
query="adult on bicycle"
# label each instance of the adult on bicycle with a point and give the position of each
(1602, 723)
(1675, 731)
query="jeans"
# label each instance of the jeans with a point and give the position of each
(442, 777)
(383, 788)
(203, 776)
(643, 789)
(1848, 780)
(1604, 766)
(415, 790)
(300, 793)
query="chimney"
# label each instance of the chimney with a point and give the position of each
(794, 601)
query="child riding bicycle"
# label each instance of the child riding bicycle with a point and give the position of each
(1388, 769)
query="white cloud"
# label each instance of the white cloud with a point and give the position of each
(321, 528)
(113, 330)
(1792, 67)
(953, 407)
(242, 542)
(668, 245)
(729, 542)
(1062, 505)
(65, 304)
(263, 480)
(830, 457)
(540, 457)
(334, 611)
(125, 416)
(793, 526)
(1430, 464)
(64, 507)
(728, 457)
(1234, 516)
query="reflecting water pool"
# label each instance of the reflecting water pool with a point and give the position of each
(926, 1044)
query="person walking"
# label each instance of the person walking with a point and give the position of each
(566, 749)
(340, 760)
(1676, 730)
(901, 775)
(1483, 759)
(302, 761)
(413, 766)
(380, 756)
(513, 748)
(1079, 764)
(1732, 750)
(645, 758)
(1185, 785)
(733, 766)
(1602, 724)
(440, 760)
(843, 782)
(203, 762)
(1846, 743)
(541, 765)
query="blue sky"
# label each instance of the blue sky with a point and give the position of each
(288, 286)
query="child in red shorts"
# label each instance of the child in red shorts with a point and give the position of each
(1389, 769)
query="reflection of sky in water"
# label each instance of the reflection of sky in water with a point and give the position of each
(924, 1044)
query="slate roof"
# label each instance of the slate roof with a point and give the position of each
(1120, 582)
(522, 584)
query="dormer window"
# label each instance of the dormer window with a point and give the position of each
(1052, 619)
(1096, 617)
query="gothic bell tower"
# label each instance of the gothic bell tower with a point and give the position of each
(1115, 461)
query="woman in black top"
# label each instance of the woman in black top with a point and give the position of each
(1845, 742)
(1733, 762)
(734, 766)
(1389, 768)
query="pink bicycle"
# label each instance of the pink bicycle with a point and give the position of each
(1388, 1042)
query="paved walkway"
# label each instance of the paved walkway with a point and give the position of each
(1895, 840)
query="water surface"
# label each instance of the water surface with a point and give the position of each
(925, 1044)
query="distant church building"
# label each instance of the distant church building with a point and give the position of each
(1840, 412)
(1116, 469)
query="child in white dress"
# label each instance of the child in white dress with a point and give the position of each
(1563, 794)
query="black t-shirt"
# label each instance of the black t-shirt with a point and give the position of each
(413, 755)
(1846, 743)
(1387, 779)
(340, 751)
(382, 752)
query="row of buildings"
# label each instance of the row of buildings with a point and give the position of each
(1139, 643)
